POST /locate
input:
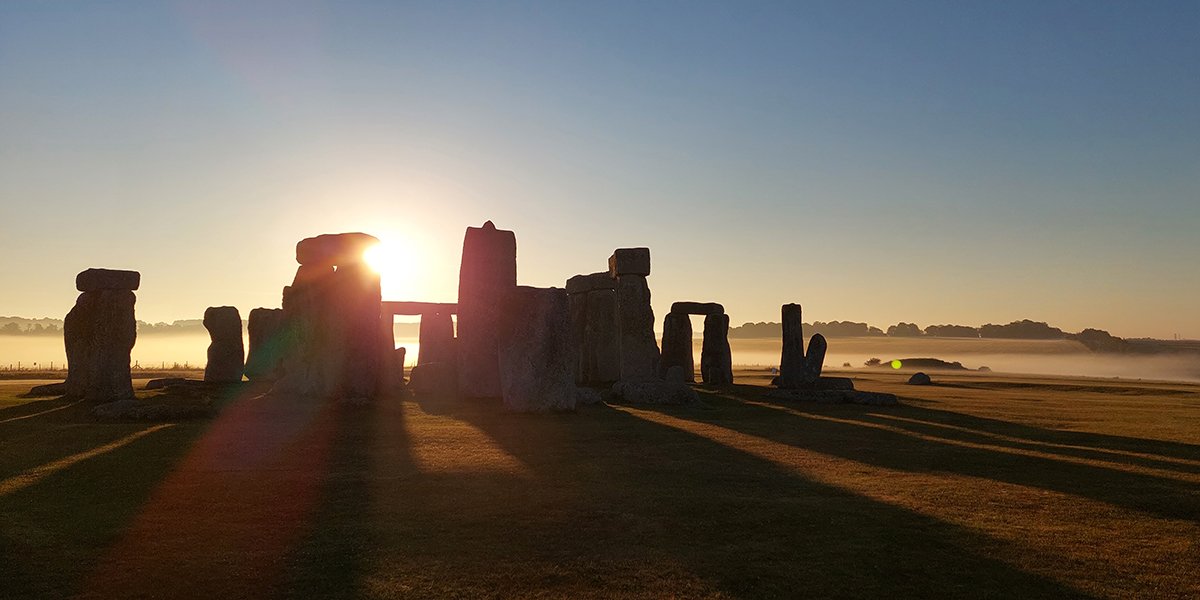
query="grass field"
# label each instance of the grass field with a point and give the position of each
(983, 486)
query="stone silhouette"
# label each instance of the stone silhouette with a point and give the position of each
(99, 333)
(635, 317)
(487, 278)
(537, 359)
(593, 305)
(791, 363)
(225, 350)
(716, 359)
(265, 329)
(814, 358)
(920, 378)
(677, 346)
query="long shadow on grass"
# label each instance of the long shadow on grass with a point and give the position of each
(635, 499)
(852, 436)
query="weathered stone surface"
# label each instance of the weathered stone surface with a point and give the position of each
(577, 304)
(920, 378)
(677, 346)
(46, 390)
(334, 248)
(677, 374)
(225, 350)
(418, 308)
(835, 397)
(308, 275)
(629, 261)
(487, 277)
(791, 363)
(586, 395)
(537, 362)
(436, 339)
(639, 349)
(814, 357)
(581, 284)
(698, 308)
(716, 358)
(602, 338)
(654, 392)
(166, 382)
(99, 333)
(267, 343)
(433, 379)
(94, 280)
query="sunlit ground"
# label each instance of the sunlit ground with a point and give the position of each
(981, 486)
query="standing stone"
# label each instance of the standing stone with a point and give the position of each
(536, 358)
(487, 277)
(225, 350)
(791, 363)
(603, 337)
(265, 329)
(577, 304)
(716, 358)
(355, 315)
(814, 358)
(639, 349)
(98, 335)
(436, 339)
(677, 346)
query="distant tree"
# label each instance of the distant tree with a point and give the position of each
(873, 362)
(903, 329)
(1022, 330)
(959, 331)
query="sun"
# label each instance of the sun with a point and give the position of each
(394, 259)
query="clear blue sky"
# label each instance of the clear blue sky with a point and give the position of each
(937, 162)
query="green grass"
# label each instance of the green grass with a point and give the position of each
(978, 487)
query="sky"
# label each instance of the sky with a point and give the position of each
(928, 162)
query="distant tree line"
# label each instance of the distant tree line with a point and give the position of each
(1094, 339)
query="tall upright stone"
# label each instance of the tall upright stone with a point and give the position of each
(357, 302)
(716, 358)
(99, 333)
(593, 305)
(537, 370)
(264, 326)
(487, 278)
(225, 350)
(677, 345)
(791, 362)
(436, 339)
(639, 349)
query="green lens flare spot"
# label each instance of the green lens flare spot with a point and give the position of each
(897, 364)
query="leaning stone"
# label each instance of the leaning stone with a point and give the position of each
(716, 358)
(677, 346)
(814, 357)
(537, 372)
(334, 248)
(639, 349)
(654, 392)
(225, 351)
(268, 343)
(697, 308)
(94, 280)
(920, 378)
(581, 284)
(486, 279)
(629, 261)
(791, 363)
(99, 332)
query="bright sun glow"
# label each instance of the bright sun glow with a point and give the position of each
(377, 257)
(397, 263)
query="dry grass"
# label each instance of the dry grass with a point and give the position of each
(981, 486)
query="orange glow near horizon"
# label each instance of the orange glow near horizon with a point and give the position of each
(395, 258)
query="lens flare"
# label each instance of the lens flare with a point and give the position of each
(896, 364)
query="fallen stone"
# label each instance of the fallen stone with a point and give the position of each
(654, 392)
(537, 364)
(486, 279)
(919, 378)
(677, 347)
(334, 248)
(835, 397)
(581, 284)
(698, 308)
(94, 280)
(49, 389)
(433, 379)
(225, 351)
(629, 261)
(166, 382)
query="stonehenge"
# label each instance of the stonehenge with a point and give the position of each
(99, 333)
(716, 358)
(486, 280)
(635, 317)
(331, 320)
(225, 351)
(593, 306)
(537, 361)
